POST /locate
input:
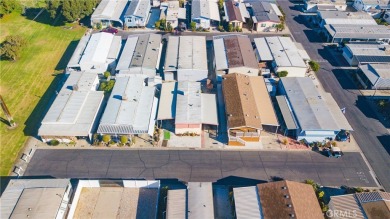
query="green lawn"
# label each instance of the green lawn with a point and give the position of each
(28, 85)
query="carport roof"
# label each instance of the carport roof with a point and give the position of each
(358, 31)
(286, 113)
(110, 10)
(247, 202)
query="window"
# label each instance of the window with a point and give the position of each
(274, 25)
(129, 20)
(263, 25)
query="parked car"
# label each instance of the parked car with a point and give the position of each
(334, 152)
(342, 136)
(110, 30)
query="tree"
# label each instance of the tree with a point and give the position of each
(282, 74)
(157, 24)
(163, 24)
(280, 27)
(169, 27)
(314, 65)
(71, 10)
(12, 47)
(99, 26)
(8, 6)
(220, 4)
(321, 194)
(106, 138)
(124, 139)
(193, 26)
(107, 86)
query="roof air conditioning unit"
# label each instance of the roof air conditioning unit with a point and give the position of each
(75, 87)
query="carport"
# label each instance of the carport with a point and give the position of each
(289, 124)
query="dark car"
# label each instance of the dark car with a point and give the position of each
(333, 152)
(342, 136)
(110, 30)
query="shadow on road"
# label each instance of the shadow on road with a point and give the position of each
(343, 79)
(363, 105)
(385, 141)
(238, 181)
(312, 36)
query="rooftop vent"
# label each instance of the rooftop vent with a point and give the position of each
(284, 187)
(124, 97)
(292, 215)
(287, 196)
(230, 115)
(289, 205)
(75, 87)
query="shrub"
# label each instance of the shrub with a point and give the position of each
(133, 140)
(334, 144)
(321, 194)
(7, 6)
(282, 74)
(111, 142)
(359, 190)
(193, 26)
(124, 139)
(54, 142)
(284, 141)
(314, 65)
(99, 26)
(220, 28)
(230, 28)
(106, 138)
(107, 74)
(157, 24)
(107, 86)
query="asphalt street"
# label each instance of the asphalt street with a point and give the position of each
(188, 165)
(372, 137)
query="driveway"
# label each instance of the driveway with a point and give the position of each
(198, 166)
(368, 131)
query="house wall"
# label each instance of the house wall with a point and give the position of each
(191, 75)
(188, 128)
(313, 136)
(312, 8)
(349, 57)
(265, 26)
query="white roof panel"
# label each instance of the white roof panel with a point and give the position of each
(247, 202)
(209, 109)
(200, 200)
(188, 106)
(220, 54)
(167, 105)
(176, 204)
(263, 50)
(173, 51)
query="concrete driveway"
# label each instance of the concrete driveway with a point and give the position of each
(205, 165)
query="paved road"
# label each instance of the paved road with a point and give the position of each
(199, 165)
(371, 135)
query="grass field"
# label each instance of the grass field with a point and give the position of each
(28, 85)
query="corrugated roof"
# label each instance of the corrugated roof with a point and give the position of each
(200, 200)
(263, 11)
(343, 17)
(138, 8)
(286, 113)
(171, 60)
(374, 72)
(247, 101)
(209, 109)
(129, 109)
(25, 192)
(78, 52)
(285, 52)
(192, 53)
(75, 107)
(98, 48)
(177, 204)
(110, 10)
(310, 106)
(358, 31)
(247, 203)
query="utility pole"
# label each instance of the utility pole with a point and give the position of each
(6, 112)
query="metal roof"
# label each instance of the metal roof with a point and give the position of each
(375, 72)
(369, 53)
(347, 203)
(38, 194)
(192, 53)
(313, 110)
(173, 11)
(140, 52)
(358, 31)
(110, 10)
(285, 52)
(209, 109)
(129, 109)
(74, 110)
(262, 49)
(247, 203)
(138, 8)
(200, 200)
(171, 60)
(167, 101)
(343, 17)
(264, 11)
(287, 113)
(177, 204)
(236, 51)
(233, 11)
(188, 106)
(205, 9)
(78, 52)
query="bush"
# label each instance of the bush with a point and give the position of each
(282, 74)
(220, 28)
(54, 142)
(8, 6)
(106, 138)
(124, 139)
(107, 86)
(107, 74)
(230, 28)
(12, 47)
(193, 26)
(157, 24)
(285, 141)
(314, 65)
(99, 26)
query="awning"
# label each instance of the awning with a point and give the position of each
(286, 113)
(262, 50)
(209, 109)
(167, 104)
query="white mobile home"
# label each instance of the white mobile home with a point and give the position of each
(205, 13)
(109, 13)
(137, 14)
